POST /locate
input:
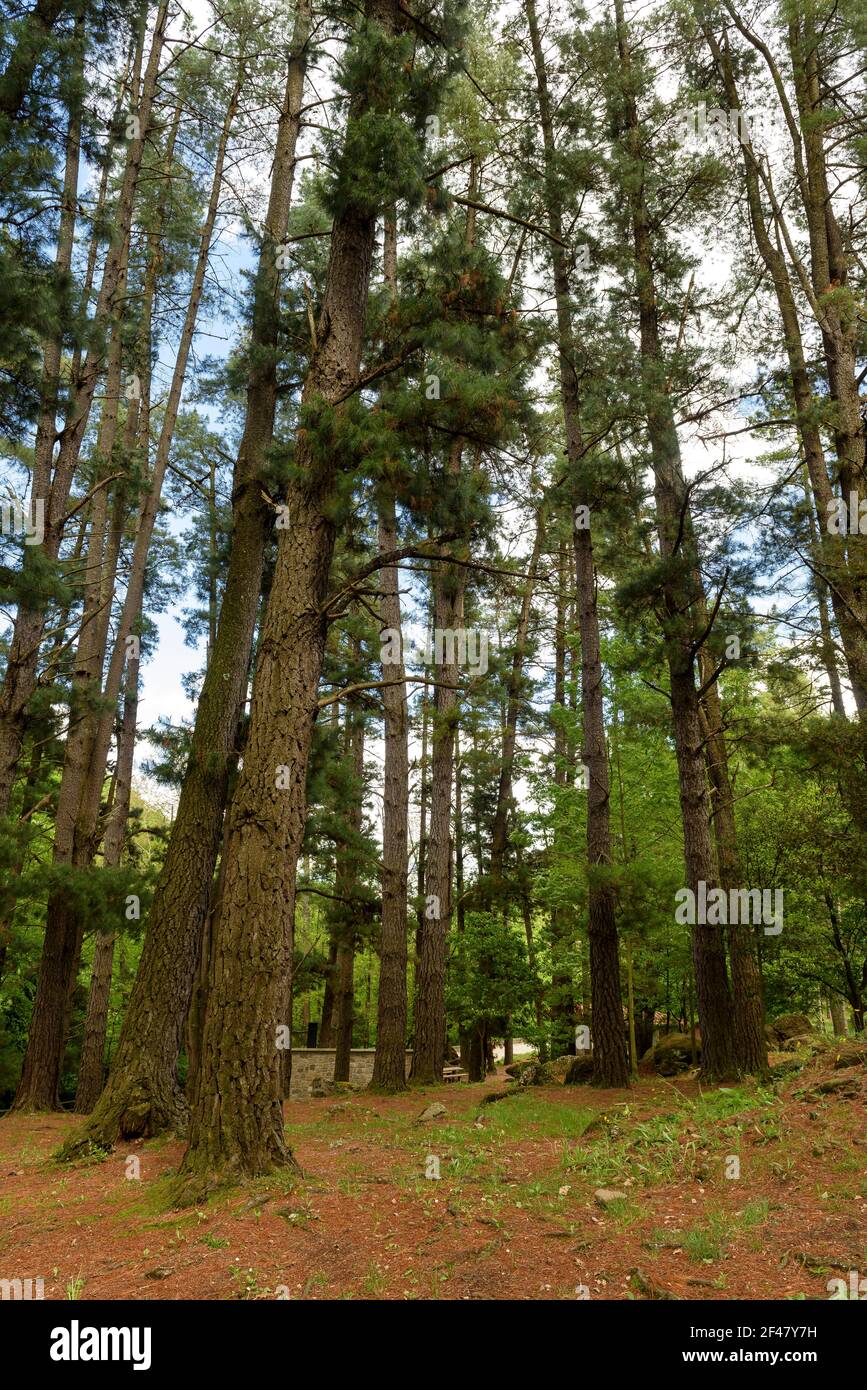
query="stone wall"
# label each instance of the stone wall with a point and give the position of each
(311, 1062)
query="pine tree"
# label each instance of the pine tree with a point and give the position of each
(143, 1095)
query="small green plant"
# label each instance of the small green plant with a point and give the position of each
(755, 1213)
(374, 1281)
(246, 1282)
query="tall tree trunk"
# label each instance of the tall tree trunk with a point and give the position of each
(389, 1063)
(449, 586)
(19, 680)
(825, 283)
(90, 732)
(836, 302)
(538, 990)
(346, 889)
(90, 1072)
(100, 730)
(828, 646)
(854, 986)
(142, 1096)
(430, 1008)
(839, 571)
(22, 661)
(610, 1066)
(423, 793)
(748, 1006)
(195, 1023)
(838, 1015)
(504, 802)
(236, 1124)
(681, 599)
(562, 935)
(326, 1027)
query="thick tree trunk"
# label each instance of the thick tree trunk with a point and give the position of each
(195, 1023)
(474, 1061)
(236, 1124)
(142, 1096)
(838, 1015)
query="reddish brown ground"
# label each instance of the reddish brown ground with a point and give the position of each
(363, 1221)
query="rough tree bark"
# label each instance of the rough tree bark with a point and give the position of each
(237, 1124)
(142, 1096)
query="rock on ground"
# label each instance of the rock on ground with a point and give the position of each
(605, 1196)
(673, 1053)
(432, 1112)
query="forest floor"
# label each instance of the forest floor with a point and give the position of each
(513, 1215)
